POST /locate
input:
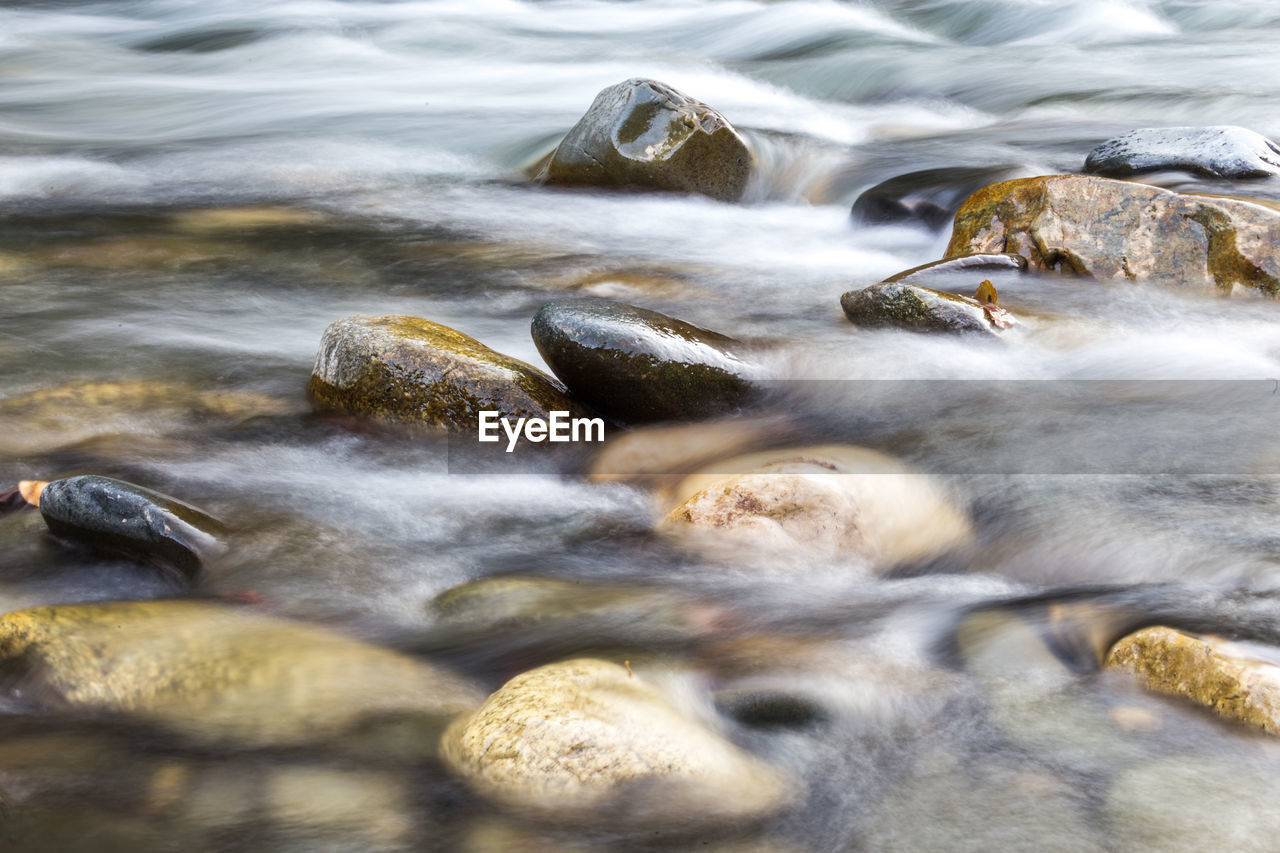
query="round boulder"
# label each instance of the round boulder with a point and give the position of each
(586, 740)
(908, 306)
(638, 365)
(409, 370)
(642, 134)
(1221, 151)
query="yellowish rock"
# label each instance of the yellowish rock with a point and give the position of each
(585, 740)
(824, 501)
(222, 674)
(1230, 678)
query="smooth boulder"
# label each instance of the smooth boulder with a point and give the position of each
(408, 370)
(586, 740)
(115, 516)
(640, 366)
(220, 674)
(1108, 229)
(830, 502)
(908, 306)
(929, 197)
(1219, 151)
(1238, 681)
(645, 135)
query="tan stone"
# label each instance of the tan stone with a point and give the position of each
(1109, 229)
(1227, 677)
(586, 740)
(826, 501)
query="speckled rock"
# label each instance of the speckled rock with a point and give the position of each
(642, 134)
(1238, 681)
(408, 370)
(1106, 229)
(1220, 151)
(826, 502)
(907, 306)
(116, 516)
(583, 740)
(221, 674)
(638, 365)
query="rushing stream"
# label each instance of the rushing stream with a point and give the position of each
(191, 192)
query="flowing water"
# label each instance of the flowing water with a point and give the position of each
(191, 193)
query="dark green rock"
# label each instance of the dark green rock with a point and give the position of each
(638, 365)
(1222, 151)
(408, 370)
(908, 306)
(642, 134)
(116, 516)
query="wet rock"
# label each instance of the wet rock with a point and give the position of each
(585, 740)
(119, 517)
(1107, 229)
(908, 306)
(642, 134)
(1238, 681)
(972, 268)
(930, 196)
(1220, 151)
(653, 453)
(408, 370)
(639, 366)
(826, 502)
(222, 675)
(1188, 804)
(764, 708)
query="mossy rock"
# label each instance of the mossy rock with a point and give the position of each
(908, 306)
(221, 674)
(408, 370)
(1107, 229)
(645, 135)
(640, 366)
(1221, 151)
(116, 516)
(587, 741)
(1237, 681)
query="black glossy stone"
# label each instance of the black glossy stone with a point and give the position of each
(765, 708)
(639, 366)
(929, 197)
(120, 517)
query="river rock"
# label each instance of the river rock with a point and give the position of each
(826, 502)
(1106, 229)
(1238, 681)
(116, 516)
(651, 454)
(642, 134)
(1219, 151)
(586, 740)
(908, 306)
(409, 370)
(223, 675)
(970, 268)
(929, 197)
(638, 365)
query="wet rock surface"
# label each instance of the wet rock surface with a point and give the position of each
(929, 197)
(644, 135)
(640, 366)
(409, 370)
(225, 675)
(908, 306)
(973, 267)
(1222, 151)
(1106, 229)
(116, 516)
(586, 739)
(827, 500)
(1237, 681)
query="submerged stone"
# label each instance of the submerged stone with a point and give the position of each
(409, 370)
(1219, 151)
(1237, 681)
(638, 365)
(929, 197)
(223, 675)
(1107, 229)
(586, 740)
(120, 517)
(642, 134)
(824, 502)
